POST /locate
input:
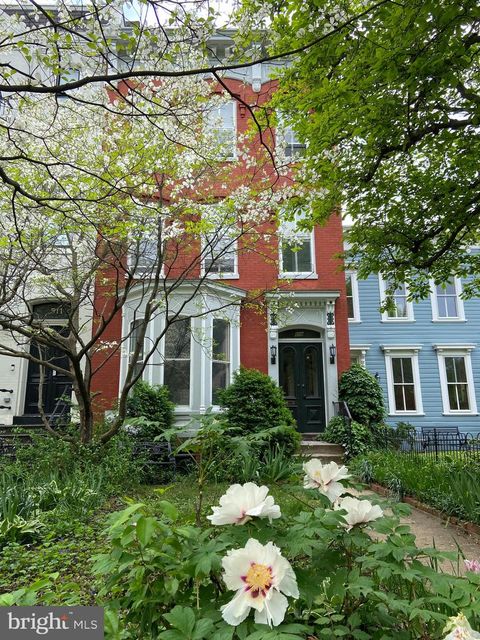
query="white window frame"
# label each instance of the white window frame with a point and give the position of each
(131, 346)
(216, 115)
(222, 275)
(229, 361)
(180, 407)
(385, 317)
(287, 138)
(299, 275)
(460, 317)
(141, 270)
(355, 296)
(459, 350)
(403, 351)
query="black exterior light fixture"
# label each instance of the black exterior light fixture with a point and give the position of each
(377, 376)
(333, 352)
(273, 354)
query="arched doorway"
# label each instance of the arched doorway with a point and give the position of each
(301, 377)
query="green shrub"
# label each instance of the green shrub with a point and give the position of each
(355, 440)
(363, 394)
(253, 403)
(152, 403)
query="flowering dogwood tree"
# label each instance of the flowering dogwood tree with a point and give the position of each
(99, 203)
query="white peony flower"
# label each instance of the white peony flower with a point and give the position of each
(325, 478)
(460, 629)
(242, 502)
(358, 511)
(262, 578)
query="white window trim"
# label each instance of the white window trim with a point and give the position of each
(281, 133)
(222, 275)
(385, 316)
(355, 297)
(460, 308)
(299, 275)
(141, 271)
(459, 350)
(234, 155)
(210, 368)
(403, 351)
(179, 407)
(130, 352)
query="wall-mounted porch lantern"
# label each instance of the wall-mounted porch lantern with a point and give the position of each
(273, 354)
(333, 352)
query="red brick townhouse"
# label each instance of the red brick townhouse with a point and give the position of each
(304, 347)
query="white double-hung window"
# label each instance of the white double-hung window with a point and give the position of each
(177, 358)
(398, 307)
(220, 356)
(222, 121)
(220, 254)
(447, 305)
(403, 379)
(288, 139)
(297, 254)
(353, 303)
(456, 378)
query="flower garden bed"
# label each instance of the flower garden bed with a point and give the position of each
(286, 562)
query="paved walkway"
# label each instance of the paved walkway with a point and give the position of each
(430, 530)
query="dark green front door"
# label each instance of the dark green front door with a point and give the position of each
(301, 378)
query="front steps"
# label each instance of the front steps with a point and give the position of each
(323, 451)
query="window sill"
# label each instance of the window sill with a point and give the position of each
(405, 413)
(449, 320)
(354, 321)
(223, 276)
(459, 413)
(298, 276)
(397, 320)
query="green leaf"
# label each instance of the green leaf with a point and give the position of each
(183, 619)
(145, 529)
(203, 629)
(223, 634)
(169, 509)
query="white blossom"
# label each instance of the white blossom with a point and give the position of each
(358, 511)
(262, 578)
(325, 477)
(241, 503)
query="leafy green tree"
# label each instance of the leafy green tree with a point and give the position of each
(387, 95)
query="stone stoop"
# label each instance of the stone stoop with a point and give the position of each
(323, 451)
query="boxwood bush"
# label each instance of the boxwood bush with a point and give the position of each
(254, 403)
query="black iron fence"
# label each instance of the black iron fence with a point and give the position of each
(432, 443)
